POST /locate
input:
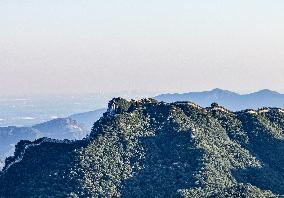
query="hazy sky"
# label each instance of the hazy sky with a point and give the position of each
(79, 46)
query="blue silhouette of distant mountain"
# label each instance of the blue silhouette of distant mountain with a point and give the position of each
(88, 118)
(76, 126)
(229, 99)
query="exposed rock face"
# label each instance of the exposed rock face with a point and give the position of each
(153, 149)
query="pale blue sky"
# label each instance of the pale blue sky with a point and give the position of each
(68, 46)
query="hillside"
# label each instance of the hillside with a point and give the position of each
(60, 128)
(76, 126)
(229, 99)
(9, 136)
(88, 118)
(153, 149)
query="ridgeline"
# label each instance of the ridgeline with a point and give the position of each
(147, 148)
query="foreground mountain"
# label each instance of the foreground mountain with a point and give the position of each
(228, 99)
(153, 149)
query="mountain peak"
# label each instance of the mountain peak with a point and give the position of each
(266, 92)
(230, 100)
(222, 91)
(156, 149)
(119, 105)
(218, 90)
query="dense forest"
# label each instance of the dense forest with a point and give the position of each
(148, 148)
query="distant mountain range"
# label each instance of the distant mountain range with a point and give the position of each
(76, 126)
(231, 100)
(147, 148)
(88, 118)
(79, 125)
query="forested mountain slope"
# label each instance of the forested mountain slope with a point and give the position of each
(153, 149)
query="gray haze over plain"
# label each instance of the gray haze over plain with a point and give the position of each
(62, 47)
